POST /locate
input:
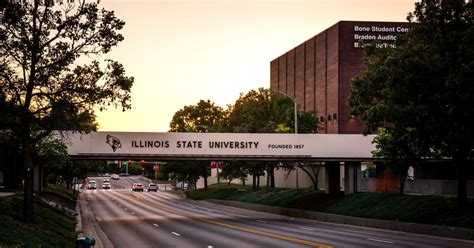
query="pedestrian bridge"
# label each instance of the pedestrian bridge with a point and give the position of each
(332, 149)
(220, 146)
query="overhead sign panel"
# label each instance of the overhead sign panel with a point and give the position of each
(222, 144)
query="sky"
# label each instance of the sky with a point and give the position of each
(182, 51)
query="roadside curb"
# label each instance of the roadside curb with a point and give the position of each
(90, 226)
(79, 219)
(432, 230)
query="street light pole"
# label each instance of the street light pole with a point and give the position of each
(296, 126)
(296, 132)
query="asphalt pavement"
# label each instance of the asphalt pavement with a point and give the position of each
(87, 222)
(126, 219)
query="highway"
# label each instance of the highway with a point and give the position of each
(162, 219)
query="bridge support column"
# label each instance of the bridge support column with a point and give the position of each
(352, 177)
(332, 178)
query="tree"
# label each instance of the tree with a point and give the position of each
(420, 92)
(205, 116)
(265, 111)
(42, 88)
(53, 159)
(256, 169)
(183, 171)
(234, 170)
(399, 147)
(311, 169)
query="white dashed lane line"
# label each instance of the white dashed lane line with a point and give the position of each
(156, 225)
(306, 228)
(175, 233)
(261, 221)
(381, 241)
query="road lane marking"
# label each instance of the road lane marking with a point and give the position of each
(261, 221)
(382, 241)
(306, 228)
(210, 246)
(175, 233)
(231, 226)
(156, 225)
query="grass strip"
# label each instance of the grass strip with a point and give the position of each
(424, 209)
(51, 227)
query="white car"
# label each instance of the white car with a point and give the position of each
(106, 185)
(92, 185)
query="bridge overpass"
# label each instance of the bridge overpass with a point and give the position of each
(220, 146)
(331, 149)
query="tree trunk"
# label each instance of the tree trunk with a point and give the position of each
(29, 179)
(315, 184)
(254, 181)
(315, 168)
(403, 179)
(272, 177)
(205, 182)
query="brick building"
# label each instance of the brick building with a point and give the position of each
(318, 71)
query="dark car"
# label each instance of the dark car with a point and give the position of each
(137, 187)
(152, 187)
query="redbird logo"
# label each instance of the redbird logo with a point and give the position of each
(113, 142)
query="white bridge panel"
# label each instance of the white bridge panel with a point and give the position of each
(221, 144)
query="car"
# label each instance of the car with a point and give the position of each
(152, 187)
(124, 174)
(106, 185)
(115, 177)
(92, 185)
(105, 179)
(137, 187)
